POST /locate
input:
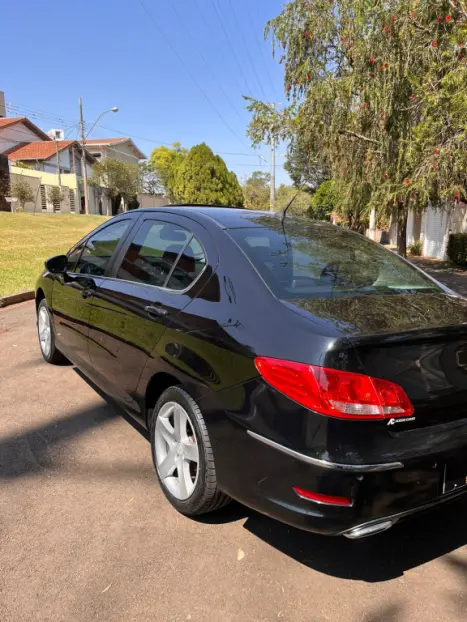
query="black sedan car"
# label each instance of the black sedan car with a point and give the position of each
(293, 365)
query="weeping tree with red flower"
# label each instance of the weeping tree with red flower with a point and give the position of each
(377, 96)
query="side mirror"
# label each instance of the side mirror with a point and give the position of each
(57, 264)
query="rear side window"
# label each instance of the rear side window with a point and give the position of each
(302, 260)
(99, 249)
(164, 255)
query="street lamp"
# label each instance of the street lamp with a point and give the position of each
(83, 146)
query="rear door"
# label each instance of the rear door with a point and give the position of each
(149, 284)
(73, 291)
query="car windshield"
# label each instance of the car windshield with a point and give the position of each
(304, 260)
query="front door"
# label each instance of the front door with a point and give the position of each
(73, 291)
(132, 309)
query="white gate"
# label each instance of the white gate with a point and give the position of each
(435, 229)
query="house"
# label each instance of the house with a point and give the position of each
(124, 149)
(19, 130)
(121, 148)
(56, 163)
(29, 152)
(64, 156)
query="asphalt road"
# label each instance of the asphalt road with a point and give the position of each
(86, 534)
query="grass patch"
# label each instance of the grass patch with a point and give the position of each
(27, 240)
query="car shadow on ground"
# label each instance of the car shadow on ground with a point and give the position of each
(379, 558)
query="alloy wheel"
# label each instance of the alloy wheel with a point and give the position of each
(176, 450)
(45, 333)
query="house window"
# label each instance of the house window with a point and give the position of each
(97, 155)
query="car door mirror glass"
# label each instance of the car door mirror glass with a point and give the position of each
(57, 264)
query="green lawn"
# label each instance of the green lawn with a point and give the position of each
(26, 240)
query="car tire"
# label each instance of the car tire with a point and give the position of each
(190, 486)
(46, 336)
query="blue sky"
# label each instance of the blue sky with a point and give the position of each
(176, 74)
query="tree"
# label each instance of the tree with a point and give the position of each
(303, 170)
(256, 191)
(324, 201)
(149, 182)
(377, 95)
(203, 178)
(22, 191)
(120, 180)
(301, 203)
(55, 196)
(165, 162)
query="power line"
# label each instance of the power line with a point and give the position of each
(36, 113)
(273, 87)
(181, 61)
(205, 61)
(256, 165)
(230, 44)
(154, 141)
(245, 44)
(209, 30)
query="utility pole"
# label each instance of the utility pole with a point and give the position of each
(83, 157)
(58, 166)
(273, 175)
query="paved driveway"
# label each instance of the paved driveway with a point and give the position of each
(85, 533)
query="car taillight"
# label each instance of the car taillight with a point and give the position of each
(335, 393)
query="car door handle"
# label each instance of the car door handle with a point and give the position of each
(155, 311)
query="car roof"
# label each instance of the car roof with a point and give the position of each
(227, 217)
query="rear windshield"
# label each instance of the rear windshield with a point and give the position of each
(308, 261)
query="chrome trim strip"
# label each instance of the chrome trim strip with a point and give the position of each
(325, 464)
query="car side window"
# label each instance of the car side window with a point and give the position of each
(189, 266)
(100, 247)
(152, 256)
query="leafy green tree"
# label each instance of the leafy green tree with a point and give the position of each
(302, 169)
(377, 96)
(165, 162)
(203, 178)
(55, 196)
(301, 203)
(257, 191)
(324, 201)
(120, 179)
(22, 191)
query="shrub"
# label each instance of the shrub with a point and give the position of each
(416, 248)
(457, 248)
(23, 192)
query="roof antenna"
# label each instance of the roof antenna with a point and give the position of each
(284, 211)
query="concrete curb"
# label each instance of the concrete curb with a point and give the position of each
(15, 298)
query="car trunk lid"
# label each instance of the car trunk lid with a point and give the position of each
(418, 341)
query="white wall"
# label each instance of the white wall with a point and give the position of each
(18, 133)
(435, 227)
(121, 151)
(50, 165)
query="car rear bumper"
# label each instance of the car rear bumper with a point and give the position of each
(380, 494)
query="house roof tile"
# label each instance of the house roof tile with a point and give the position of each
(40, 150)
(7, 122)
